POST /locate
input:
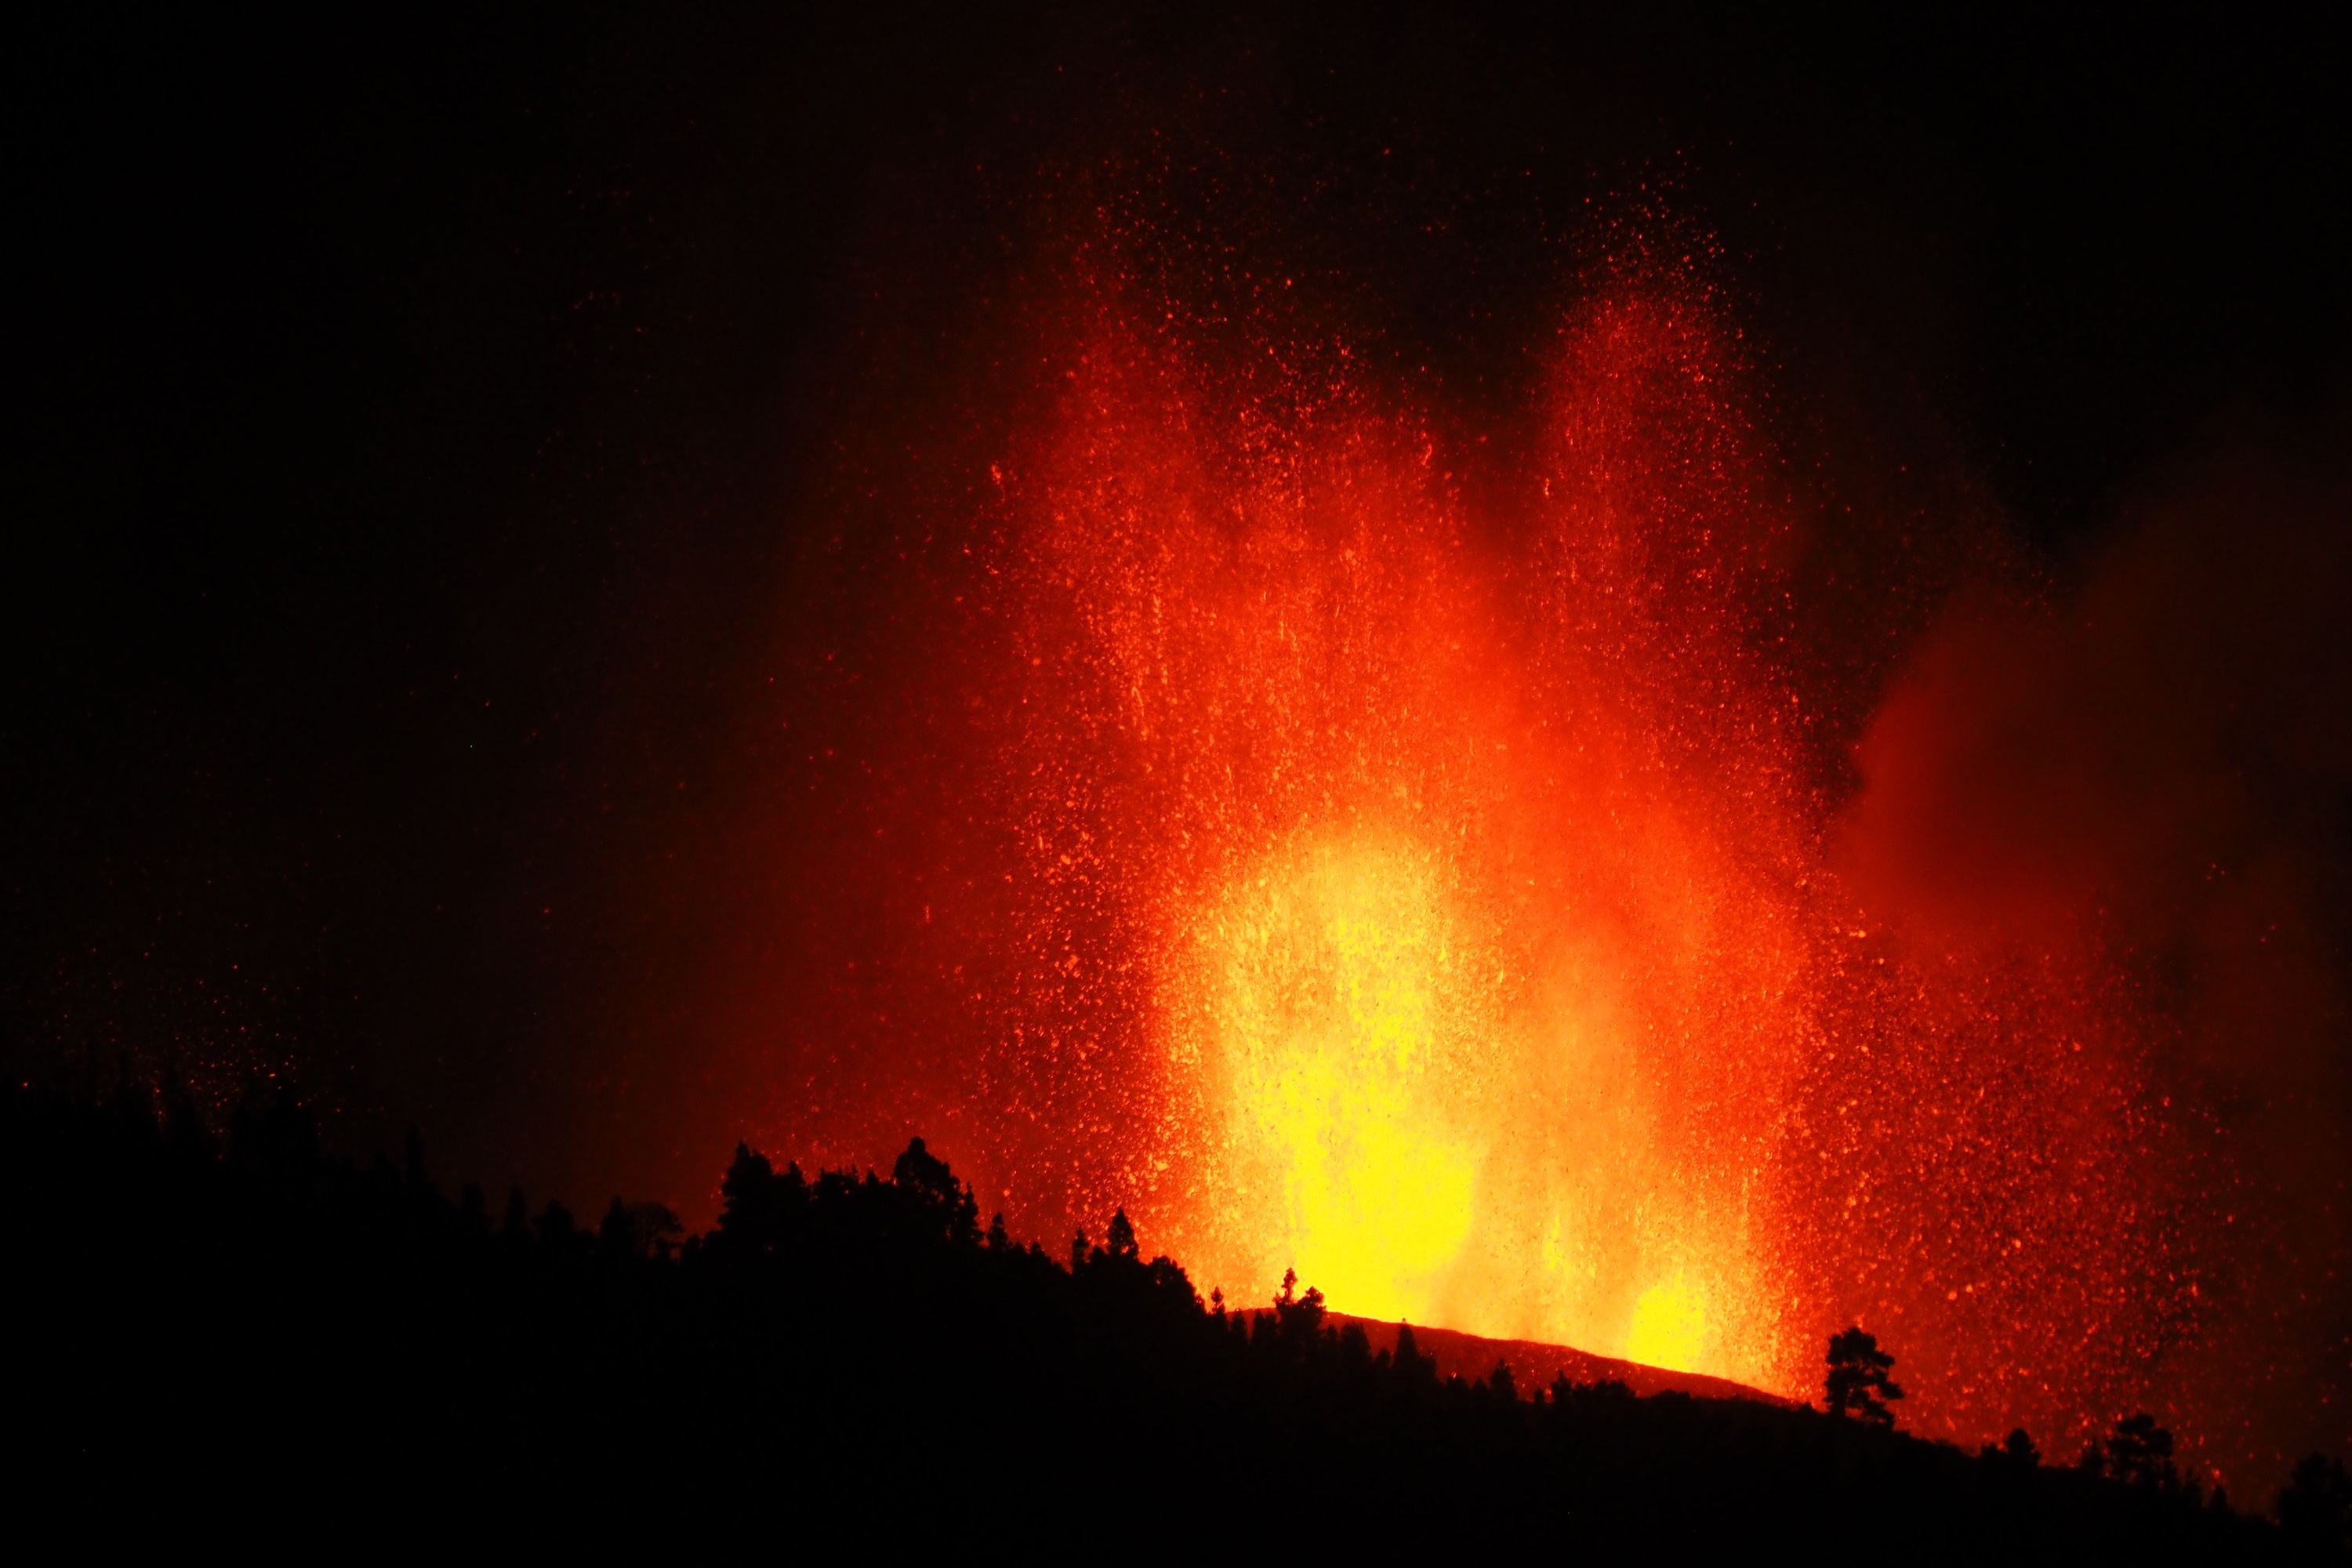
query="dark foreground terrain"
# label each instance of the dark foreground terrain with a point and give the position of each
(248, 1340)
(1473, 1356)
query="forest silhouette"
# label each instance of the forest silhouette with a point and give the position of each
(248, 1322)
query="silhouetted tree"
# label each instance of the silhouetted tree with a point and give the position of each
(2140, 1453)
(2016, 1451)
(614, 1234)
(926, 1176)
(1608, 1397)
(1298, 1318)
(759, 1206)
(1858, 1384)
(2314, 1507)
(746, 1204)
(658, 1228)
(893, 1344)
(631, 1231)
(1410, 1361)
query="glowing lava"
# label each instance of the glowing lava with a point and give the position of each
(1344, 1002)
(1468, 932)
(1669, 1327)
(1391, 844)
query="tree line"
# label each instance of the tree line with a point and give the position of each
(249, 1322)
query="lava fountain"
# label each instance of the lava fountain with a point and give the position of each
(1456, 863)
(1427, 848)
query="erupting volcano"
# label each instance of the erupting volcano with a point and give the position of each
(1420, 847)
(1669, 685)
(1450, 866)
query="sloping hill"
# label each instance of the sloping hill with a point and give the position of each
(1534, 1363)
(200, 1316)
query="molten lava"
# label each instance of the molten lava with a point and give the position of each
(1399, 845)
(1462, 899)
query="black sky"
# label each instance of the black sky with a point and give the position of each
(427, 431)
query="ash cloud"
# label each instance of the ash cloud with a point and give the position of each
(2156, 750)
(2143, 772)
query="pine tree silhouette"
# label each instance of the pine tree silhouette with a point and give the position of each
(1858, 1384)
(2140, 1453)
(2314, 1508)
(926, 1176)
(1120, 1242)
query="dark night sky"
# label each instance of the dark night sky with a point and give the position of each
(421, 504)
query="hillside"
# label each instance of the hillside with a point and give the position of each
(1535, 1365)
(859, 1357)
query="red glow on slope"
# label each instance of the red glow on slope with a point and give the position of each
(1460, 903)
(1395, 847)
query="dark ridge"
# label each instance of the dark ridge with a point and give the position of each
(1537, 1362)
(257, 1327)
